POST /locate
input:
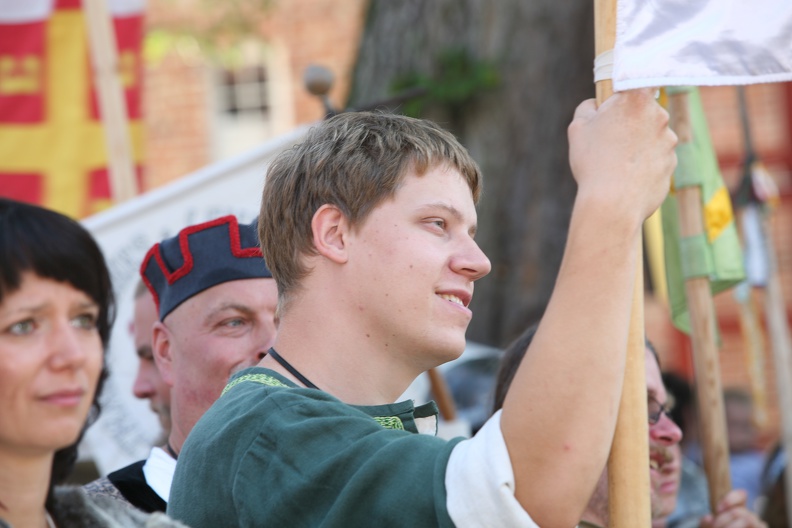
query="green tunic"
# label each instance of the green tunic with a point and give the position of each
(270, 454)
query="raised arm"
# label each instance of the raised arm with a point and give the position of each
(560, 413)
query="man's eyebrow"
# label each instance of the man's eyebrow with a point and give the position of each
(453, 211)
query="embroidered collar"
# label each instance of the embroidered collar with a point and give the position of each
(402, 415)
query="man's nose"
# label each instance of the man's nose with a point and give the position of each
(471, 261)
(142, 388)
(665, 431)
(266, 337)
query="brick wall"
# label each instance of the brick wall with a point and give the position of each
(325, 32)
(770, 121)
(177, 128)
(177, 90)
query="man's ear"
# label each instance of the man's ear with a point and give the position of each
(330, 231)
(161, 349)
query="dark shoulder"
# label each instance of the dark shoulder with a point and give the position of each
(74, 508)
(103, 486)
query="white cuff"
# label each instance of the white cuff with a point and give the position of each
(480, 482)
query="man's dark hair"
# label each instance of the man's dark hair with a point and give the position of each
(682, 392)
(512, 357)
(510, 362)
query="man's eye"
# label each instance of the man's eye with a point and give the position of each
(21, 328)
(233, 323)
(439, 222)
(86, 321)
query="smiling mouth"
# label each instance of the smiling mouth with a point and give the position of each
(452, 298)
(658, 460)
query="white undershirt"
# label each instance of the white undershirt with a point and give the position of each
(479, 482)
(158, 470)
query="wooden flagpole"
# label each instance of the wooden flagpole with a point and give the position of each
(442, 395)
(749, 318)
(753, 343)
(712, 419)
(628, 465)
(778, 326)
(775, 310)
(112, 104)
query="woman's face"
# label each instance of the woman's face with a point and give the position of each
(50, 360)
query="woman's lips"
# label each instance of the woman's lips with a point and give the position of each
(65, 398)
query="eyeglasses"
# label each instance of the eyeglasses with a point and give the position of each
(657, 409)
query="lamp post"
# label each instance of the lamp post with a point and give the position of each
(318, 81)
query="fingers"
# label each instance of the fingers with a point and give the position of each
(734, 499)
(622, 154)
(737, 518)
(732, 513)
(585, 110)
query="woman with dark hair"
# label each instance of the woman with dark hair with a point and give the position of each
(56, 310)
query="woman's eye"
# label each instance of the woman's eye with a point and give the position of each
(439, 223)
(86, 321)
(22, 327)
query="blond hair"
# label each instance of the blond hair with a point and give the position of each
(353, 161)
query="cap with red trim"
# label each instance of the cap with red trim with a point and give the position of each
(199, 257)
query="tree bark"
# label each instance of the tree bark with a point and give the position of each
(543, 52)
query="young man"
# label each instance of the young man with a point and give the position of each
(216, 301)
(368, 227)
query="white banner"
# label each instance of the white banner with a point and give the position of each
(127, 428)
(702, 42)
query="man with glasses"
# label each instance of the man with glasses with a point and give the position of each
(665, 464)
(664, 451)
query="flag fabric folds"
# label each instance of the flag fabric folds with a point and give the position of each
(702, 42)
(52, 148)
(716, 254)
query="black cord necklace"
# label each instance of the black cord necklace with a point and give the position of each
(294, 372)
(171, 451)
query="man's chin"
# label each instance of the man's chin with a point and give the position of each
(662, 506)
(446, 348)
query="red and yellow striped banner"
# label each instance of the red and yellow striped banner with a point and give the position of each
(52, 149)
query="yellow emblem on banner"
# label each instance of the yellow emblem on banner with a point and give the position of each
(718, 213)
(20, 75)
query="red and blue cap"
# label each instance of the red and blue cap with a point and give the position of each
(199, 257)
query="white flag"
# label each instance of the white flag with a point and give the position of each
(702, 42)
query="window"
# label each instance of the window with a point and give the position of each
(245, 91)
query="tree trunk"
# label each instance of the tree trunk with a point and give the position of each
(543, 53)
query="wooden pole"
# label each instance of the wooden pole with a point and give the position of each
(754, 349)
(776, 313)
(442, 396)
(712, 419)
(628, 465)
(112, 104)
